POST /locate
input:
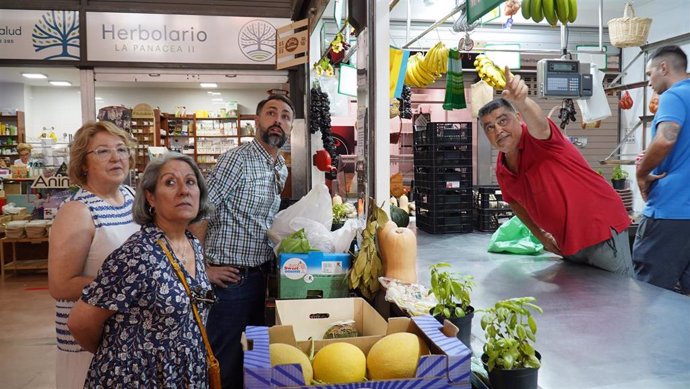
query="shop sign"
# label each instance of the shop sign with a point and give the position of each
(293, 44)
(39, 35)
(143, 111)
(478, 8)
(134, 37)
(59, 180)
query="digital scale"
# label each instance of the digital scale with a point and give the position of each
(560, 78)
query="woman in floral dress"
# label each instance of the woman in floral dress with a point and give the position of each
(136, 315)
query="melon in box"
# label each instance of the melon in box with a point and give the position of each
(447, 365)
(313, 275)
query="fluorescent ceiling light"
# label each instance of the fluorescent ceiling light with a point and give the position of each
(209, 85)
(98, 98)
(60, 83)
(34, 76)
(214, 93)
(217, 99)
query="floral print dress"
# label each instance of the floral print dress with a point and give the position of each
(153, 340)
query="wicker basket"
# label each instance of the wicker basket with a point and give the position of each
(629, 30)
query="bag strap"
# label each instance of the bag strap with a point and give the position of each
(176, 266)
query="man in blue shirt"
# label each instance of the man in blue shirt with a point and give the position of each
(661, 253)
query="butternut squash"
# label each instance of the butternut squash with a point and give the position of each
(380, 231)
(399, 253)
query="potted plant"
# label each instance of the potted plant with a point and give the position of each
(509, 355)
(452, 292)
(618, 177)
(342, 212)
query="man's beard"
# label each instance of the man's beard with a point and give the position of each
(274, 140)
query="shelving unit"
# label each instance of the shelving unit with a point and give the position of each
(11, 133)
(146, 131)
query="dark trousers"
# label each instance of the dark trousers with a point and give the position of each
(238, 306)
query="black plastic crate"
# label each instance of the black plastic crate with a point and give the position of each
(490, 196)
(444, 133)
(446, 216)
(442, 225)
(460, 174)
(460, 198)
(489, 220)
(447, 155)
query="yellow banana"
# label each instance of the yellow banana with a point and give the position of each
(549, 7)
(572, 11)
(562, 10)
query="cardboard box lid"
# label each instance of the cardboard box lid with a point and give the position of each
(311, 318)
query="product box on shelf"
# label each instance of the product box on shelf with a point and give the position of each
(447, 365)
(313, 275)
(311, 318)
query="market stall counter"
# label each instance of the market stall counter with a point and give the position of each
(598, 329)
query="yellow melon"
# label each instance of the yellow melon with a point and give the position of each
(395, 356)
(285, 354)
(340, 363)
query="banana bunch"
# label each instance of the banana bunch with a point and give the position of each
(491, 73)
(424, 70)
(553, 11)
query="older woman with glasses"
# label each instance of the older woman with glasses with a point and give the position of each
(24, 151)
(88, 227)
(143, 314)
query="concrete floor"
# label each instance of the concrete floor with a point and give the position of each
(27, 332)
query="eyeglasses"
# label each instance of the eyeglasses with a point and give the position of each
(104, 153)
(203, 297)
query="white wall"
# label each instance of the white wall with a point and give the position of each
(167, 99)
(11, 97)
(668, 21)
(60, 108)
(51, 107)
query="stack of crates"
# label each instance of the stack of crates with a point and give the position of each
(443, 177)
(492, 211)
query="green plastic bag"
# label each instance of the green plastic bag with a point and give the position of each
(515, 238)
(295, 243)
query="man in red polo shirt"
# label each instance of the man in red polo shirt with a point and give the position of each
(570, 208)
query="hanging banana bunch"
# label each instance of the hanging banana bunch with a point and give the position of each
(424, 70)
(553, 11)
(491, 73)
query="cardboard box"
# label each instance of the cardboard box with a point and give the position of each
(312, 318)
(448, 365)
(313, 275)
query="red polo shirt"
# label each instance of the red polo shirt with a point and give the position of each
(561, 193)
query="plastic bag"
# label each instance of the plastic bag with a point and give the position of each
(315, 205)
(596, 107)
(295, 243)
(515, 238)
(318, 235)
(414, 299)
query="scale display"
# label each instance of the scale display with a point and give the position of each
(557, 78)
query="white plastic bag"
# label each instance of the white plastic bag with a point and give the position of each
(596, 107)
(315, 205)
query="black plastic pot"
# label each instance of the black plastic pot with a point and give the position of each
(464, 325)
(524, 378)
(618, 184)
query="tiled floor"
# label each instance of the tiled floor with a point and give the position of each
(27, 332)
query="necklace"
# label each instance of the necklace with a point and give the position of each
(180, 253)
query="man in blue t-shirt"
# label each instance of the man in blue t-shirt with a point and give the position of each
(661, 254)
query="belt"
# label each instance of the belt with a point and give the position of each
(245, 269)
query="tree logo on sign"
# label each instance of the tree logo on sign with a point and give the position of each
(257, 40)
(57, 32)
